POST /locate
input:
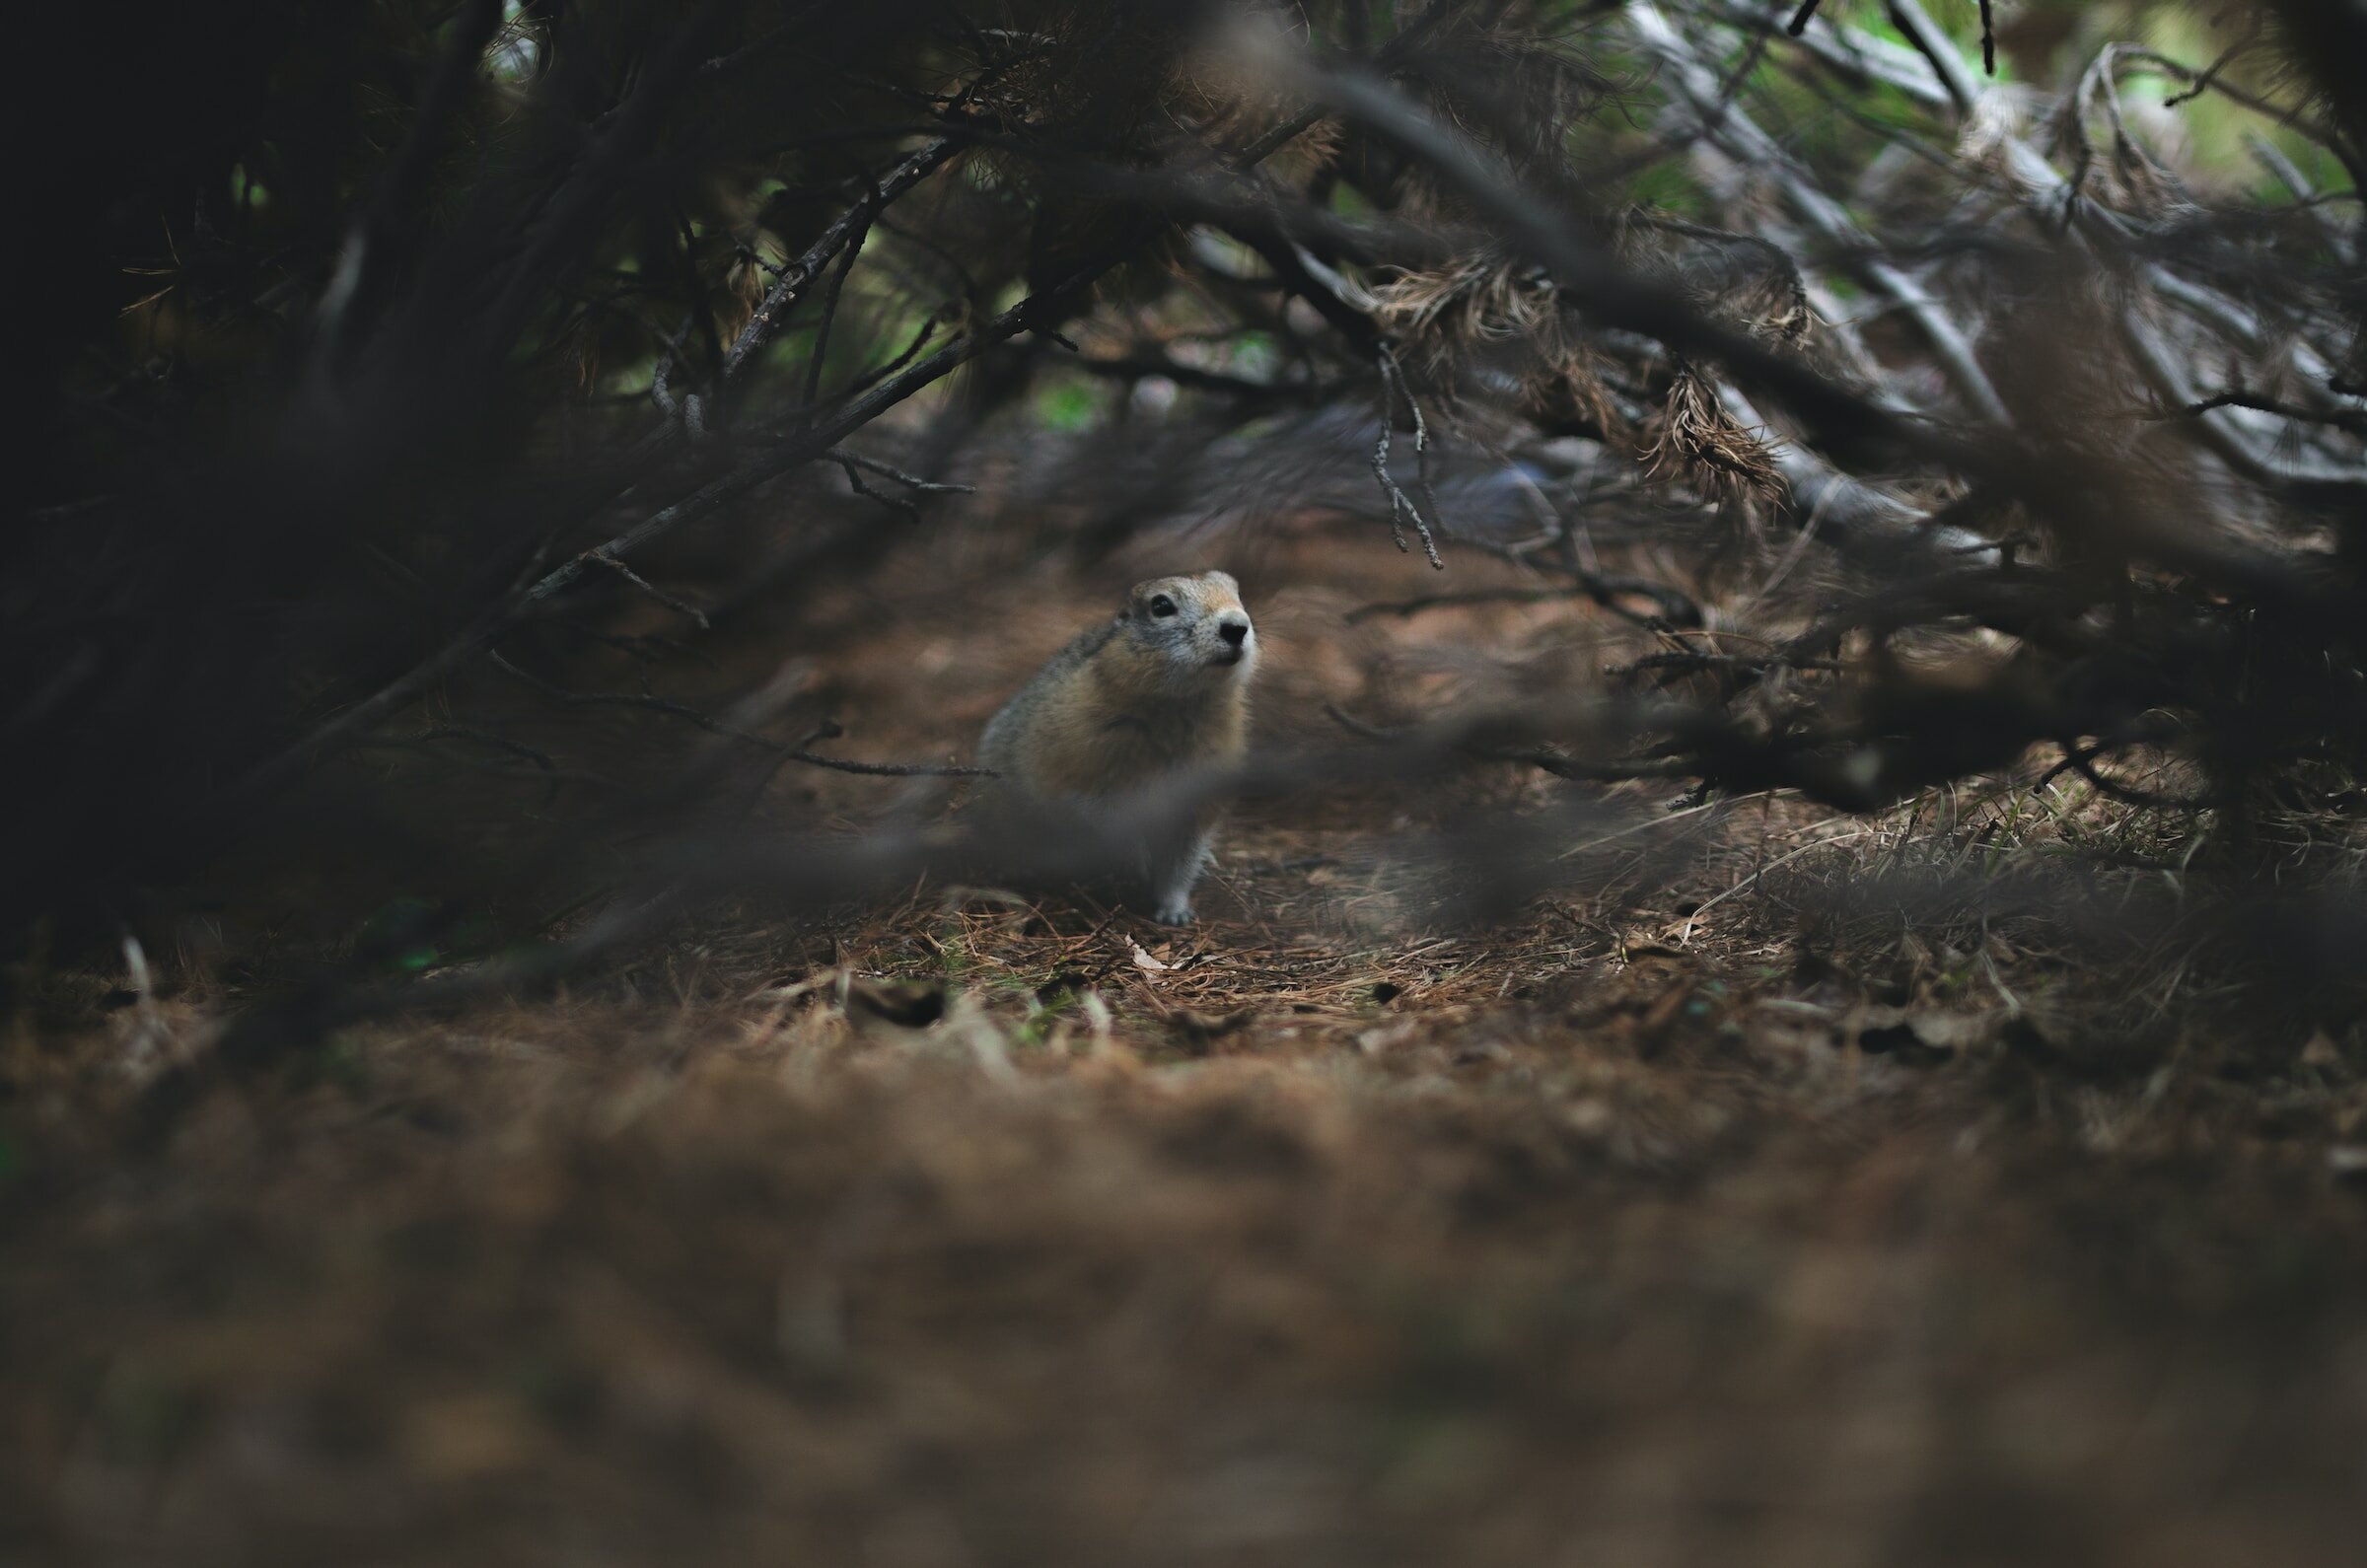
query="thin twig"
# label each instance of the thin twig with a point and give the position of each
(911, 481)
(693, 612)
(797, 276)
(1604, 589)
(1401, 507)
(830, 302)
(921, 339)
(2349, 421)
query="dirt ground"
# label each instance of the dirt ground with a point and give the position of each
(1668, 1218)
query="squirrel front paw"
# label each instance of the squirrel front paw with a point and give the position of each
(1174, 912)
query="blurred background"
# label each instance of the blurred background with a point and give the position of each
(1782, 981)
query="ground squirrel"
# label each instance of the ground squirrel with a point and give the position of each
(1160, 688)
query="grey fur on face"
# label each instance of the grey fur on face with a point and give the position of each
(1196, 624)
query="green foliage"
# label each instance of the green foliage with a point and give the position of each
(1667, 187)
(1069, 406)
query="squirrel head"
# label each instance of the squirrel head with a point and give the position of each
(1194, 625)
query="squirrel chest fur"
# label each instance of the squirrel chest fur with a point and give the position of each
(1160, 688)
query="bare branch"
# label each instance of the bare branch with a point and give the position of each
(690, 611)
(799, 275)
(1401, 507)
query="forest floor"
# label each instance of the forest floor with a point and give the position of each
(1668, 1218)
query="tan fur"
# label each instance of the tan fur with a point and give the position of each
(1130, 701)
(1115, 726)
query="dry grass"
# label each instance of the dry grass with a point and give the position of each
(1705, 1210)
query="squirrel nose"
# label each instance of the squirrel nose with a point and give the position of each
(1235, 632)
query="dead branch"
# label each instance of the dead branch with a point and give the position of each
(1401, 507)
(797, 276)
(1762, 158)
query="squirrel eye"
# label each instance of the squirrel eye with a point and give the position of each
(1161, 606)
